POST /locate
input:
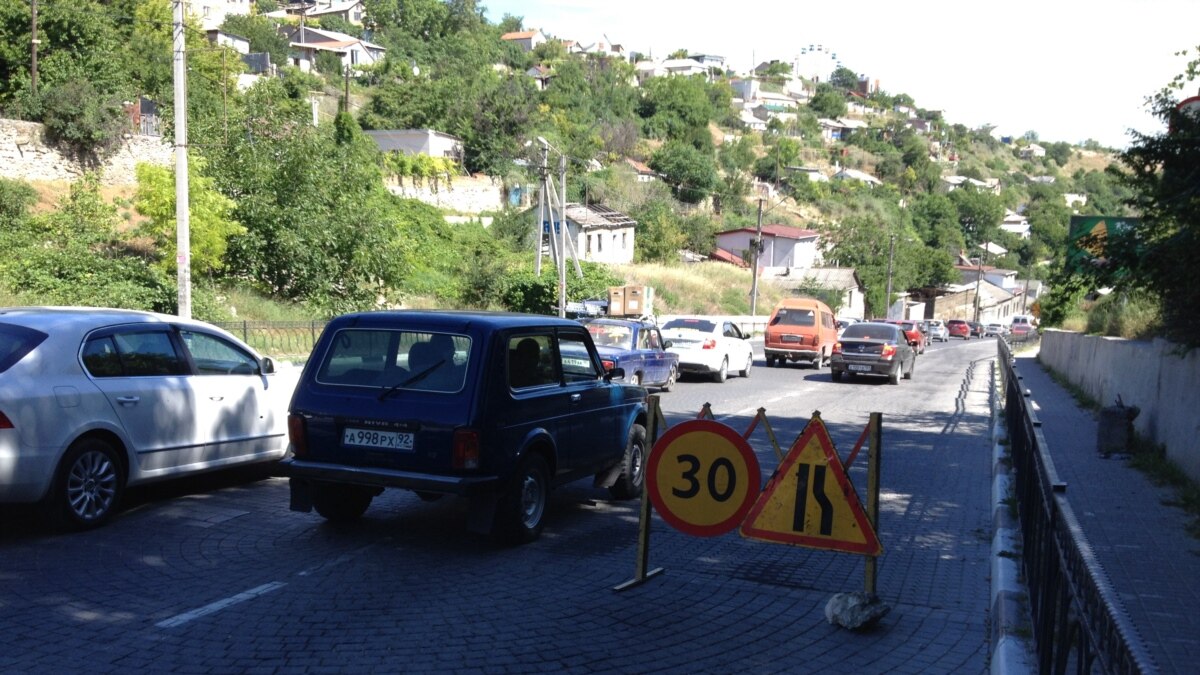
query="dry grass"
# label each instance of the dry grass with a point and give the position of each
(700, 288)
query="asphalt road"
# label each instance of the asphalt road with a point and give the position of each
(216, 575)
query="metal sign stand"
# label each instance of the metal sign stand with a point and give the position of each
(640, 574)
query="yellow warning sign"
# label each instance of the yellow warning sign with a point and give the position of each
(810, 501)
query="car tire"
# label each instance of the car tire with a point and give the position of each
(635, 379)
(745, 372)
(521, 511)
(633, 466)
(671, 378)
(836, 375)
(89, 484)
(341, 503)
(816, 363)
(770, 361)
(909, 374)
(894, 376)
(723, 373)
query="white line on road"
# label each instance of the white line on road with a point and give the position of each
(180, 619)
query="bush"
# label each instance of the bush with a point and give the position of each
(81, 120)
(1131, 315)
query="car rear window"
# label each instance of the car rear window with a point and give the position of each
(16, 342)
(870, 331)
(690, 324)
(610, 335)
(794, 317)
(396, 359)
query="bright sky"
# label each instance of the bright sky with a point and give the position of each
(1068, 69)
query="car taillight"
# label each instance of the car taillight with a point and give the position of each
(709, 344)
(5, 423)
(888, 352)
(608, 364)
(298, 435)
(466, 449)
(837, 348)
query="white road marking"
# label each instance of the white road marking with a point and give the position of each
(180, 619)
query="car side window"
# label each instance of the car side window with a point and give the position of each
(653, 340)
(215, 356)
(732, 330)
(529, 363)
(577, 362)
(136, 354)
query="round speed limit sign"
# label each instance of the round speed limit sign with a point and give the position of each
(703, 478)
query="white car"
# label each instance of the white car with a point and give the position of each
(709, 346)
(95, 400)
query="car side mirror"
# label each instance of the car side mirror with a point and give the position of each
(266, 365)
(668, 344)
(617, 373)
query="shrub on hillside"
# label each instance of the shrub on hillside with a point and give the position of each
(81, 120)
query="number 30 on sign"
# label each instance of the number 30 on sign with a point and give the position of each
(703, 478)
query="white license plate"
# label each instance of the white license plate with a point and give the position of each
(392, 440)
(859, 368)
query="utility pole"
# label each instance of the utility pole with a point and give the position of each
(346, 96)
(979, 280)
(33, 42)
(183, 257)
(756, 249)
(562, 235)
(891, 255)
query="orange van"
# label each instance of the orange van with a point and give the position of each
(800, 329)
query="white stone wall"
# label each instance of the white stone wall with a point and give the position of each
(465, 194)
(1151, 375)
(24, 155)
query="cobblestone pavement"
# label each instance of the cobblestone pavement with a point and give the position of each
(219, 577)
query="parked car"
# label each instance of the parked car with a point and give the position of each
(709, 346)
(800, 329)
(959, 328)
(842, 323)
(1021, 332)
(93, 401)
(994, 330)
(636, 347)
(976, 329)
(938, 331)
(912, 332)
(871, 348)
(499, 408)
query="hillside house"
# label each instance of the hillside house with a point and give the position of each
(306, 42)
(782, 246)
(1015, 223)
(838, 279)
(683, 67)
(856, 175)
(351, 11)
(417, 142)
(527, 40)
(644, 173)
(600, 234)
(212, 13)
(1033, 151)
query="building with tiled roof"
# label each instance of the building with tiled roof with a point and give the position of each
(782, 246)
(527, 39)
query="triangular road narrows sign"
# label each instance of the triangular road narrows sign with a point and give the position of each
(810, 501)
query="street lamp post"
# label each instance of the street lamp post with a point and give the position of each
(891, 255)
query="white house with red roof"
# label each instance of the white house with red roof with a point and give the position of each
(782, 246)
(306, 42)
(527, 39)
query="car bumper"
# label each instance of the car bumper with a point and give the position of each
(25, 472)
(797, 354)
(304, 472)
(876, 368)
(700, 362)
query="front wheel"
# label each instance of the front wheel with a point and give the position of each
(745, 372)
(671, 378)
(341, 503)
(635, 379)
(633, 473)
(521, 512)
(89, 484)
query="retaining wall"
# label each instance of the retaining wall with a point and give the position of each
(24, 155)
(1155, 376)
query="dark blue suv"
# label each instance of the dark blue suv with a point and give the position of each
(497, 408)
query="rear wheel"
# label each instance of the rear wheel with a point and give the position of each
(635, 378)
(745, 372)
(770, 361)
(633, 473)
(671, 378)
(816, 363)
(89, 484)
(521, 513)
(341, 503)
(894, 377)
(723, 373)
(908, 375)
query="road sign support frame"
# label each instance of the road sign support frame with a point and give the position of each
(870, 569)
(640, 573)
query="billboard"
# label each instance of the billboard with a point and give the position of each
(1091, 239)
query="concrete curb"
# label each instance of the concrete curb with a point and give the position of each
(1011, 653)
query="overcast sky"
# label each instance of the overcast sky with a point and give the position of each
(1067, 69)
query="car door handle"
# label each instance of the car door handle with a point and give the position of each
(576, 398)
(128, 400)
(216, 398)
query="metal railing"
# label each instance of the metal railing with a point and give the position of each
(1078, 622)
(285, 340)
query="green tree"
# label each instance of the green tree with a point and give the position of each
(262, 34)
(844, 78)
(979, 214)
(659, 236)
(691, 173)
(674, 107)
(828, 101)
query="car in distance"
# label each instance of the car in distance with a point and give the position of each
(938, 331)
(876, 349)
(976, 329)
(637, 348)
(1021, 332)
(912, 332)
(709, 346)
(498, 408)
(958, 328)
(993, 330)
(93, 401)
(799, 329)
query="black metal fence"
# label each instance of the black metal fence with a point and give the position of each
(1078, 623)
(287, 340)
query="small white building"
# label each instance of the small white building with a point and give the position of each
(783, 246)
(527, 40)
(1032, 151)
(306, 42)
(417, 142)
(1015, 223)
(856, 175)
(212, 13)
(684, 67)
(600, 234)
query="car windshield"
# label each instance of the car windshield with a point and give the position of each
(610, 335)
(396, 359)
(701, 325)
(794, 317)
(870, 331)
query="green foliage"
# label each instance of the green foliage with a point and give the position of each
(659, 235)
(691, 173)
(15, 199)
(844, 78)
(674, 108)
(1131, 315)
(329, 64)
(261, 32)
(527, 292)
(827, 101)
(979, 214)
(82, 120)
